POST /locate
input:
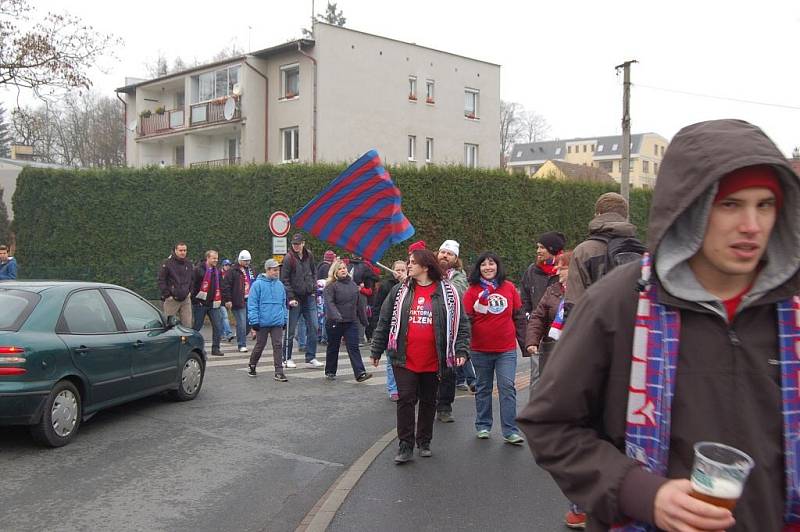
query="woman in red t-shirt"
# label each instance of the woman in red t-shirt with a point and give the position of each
(495, 310)
(423, 329)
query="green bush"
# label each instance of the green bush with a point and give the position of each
(118, 225)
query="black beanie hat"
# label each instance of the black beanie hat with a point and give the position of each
(553, 242)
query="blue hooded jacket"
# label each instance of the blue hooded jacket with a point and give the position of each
(8, 270)
(266, 304)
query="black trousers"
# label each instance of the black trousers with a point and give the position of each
(413, 387)
(447, 390)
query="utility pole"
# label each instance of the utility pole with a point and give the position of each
(625, 166)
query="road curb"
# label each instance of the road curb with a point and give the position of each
(321, 515)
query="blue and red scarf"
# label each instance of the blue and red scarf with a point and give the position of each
(482, 303)
(652, 386)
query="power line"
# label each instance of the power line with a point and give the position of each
(739, 100)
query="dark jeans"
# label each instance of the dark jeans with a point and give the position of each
(307, 306)
(261, 343)
(337, 330)
(447, 390)
(215, 316)
(413, 387)
(465, 373)
(241, 325)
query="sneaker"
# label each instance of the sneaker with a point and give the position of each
(243, 349)
(514, 439)
(394, 397)
(425, 450)
(252, 371)
(483, 434)
(463, 387)
(217, 354)
(363, 377)
(575, 520)
(472, 388)
(314, 363)
(230, 338)
(289, 364)
(330, 376)
(280, 377)
(404, 454)
(445, 417)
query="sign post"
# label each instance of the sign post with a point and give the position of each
(279, 226)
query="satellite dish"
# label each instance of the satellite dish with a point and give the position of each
(229, 109)
(132, 126)
(236, 89)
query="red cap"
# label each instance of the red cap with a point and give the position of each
(760, 176)
(419, 244)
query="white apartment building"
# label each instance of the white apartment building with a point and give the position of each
(330, 98)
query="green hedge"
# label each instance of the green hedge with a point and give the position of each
(118, 225)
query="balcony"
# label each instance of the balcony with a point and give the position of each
(212, 111)
(157, 123)
(228, 161)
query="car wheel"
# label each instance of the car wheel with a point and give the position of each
(192, 374)
(61, 416)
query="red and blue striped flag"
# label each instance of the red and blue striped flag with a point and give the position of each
(359, 211)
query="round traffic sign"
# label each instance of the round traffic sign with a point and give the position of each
(279, 223)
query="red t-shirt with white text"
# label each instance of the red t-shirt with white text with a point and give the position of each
(421, 354)
(493, 331)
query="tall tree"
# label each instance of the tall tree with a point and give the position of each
(534, 127)
(332, 16)
(5, 133)
(510, 128)
(5, 224)
(49, 55)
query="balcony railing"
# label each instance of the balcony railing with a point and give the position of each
(160, 123)
(210, 112)
(228, 161)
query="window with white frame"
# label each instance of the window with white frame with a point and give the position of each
(471, 155)
(412, 148)
(646, 167)
(429, 91)
(600, 148)
(558, 151)
(471, 103)
(412, 88)
(428, 149)
(291, 144)
(290, 81)
(216, 84)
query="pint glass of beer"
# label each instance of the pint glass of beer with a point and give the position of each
(719, 473)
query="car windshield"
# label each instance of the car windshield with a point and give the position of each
(15, 307)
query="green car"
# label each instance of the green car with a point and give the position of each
(69, 349)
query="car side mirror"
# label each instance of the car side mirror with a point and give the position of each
(172, 321)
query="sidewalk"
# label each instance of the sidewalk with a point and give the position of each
(468, 484)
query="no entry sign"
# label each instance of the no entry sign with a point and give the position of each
(279, 223)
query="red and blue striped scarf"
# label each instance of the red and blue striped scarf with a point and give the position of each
(652, 387)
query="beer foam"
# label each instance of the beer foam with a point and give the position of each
(721, 488)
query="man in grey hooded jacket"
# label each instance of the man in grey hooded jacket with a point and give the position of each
(724, 234)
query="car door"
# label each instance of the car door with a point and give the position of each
(154, 362)
(97, 346)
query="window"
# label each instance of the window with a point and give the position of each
(655, 148)
(232, 150)
(290, 81)
(645, 167)
(600, 148)
(519, 154)
(412, 88)
(86, 312)
(655, 168)
(558, 151)
(471, 103)
(471, 155)
(607, 166)
(584, 148)
(180, 156)
(291, 144)
(429, 94)
(662, 151)
(211, 85)
(592, 147)
(614, 147)
(630, 165)
(137, 314)
(15, 307)
(412, 148)
(429, 149)
(569, 149)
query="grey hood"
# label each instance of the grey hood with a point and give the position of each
(697, 158)
(612, 224)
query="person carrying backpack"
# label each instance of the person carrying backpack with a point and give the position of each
(612, 241)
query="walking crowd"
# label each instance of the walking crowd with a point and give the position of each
(649, 350)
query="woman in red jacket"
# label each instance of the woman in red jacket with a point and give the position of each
(498, 323)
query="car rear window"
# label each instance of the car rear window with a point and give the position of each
(15, 307)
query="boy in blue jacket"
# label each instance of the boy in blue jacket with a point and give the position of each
(267, 314)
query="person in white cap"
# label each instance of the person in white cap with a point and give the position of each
(453, 271)
(235, 291)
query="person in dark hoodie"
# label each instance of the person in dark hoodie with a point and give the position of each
(236, 285)
(298, 275)
(695, 343)
(175, 282)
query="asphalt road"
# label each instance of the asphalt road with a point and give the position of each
(255, 454)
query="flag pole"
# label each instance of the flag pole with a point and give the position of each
(388, 269)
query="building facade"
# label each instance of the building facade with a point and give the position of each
(605, 153)
(330, 98)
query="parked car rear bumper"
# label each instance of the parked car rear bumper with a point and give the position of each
(21, 408)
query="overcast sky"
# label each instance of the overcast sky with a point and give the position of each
(557, 57)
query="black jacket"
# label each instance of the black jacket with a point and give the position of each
(233, 287)
(175, 279)
(299, 275)
(533, 286)
(343, 303)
